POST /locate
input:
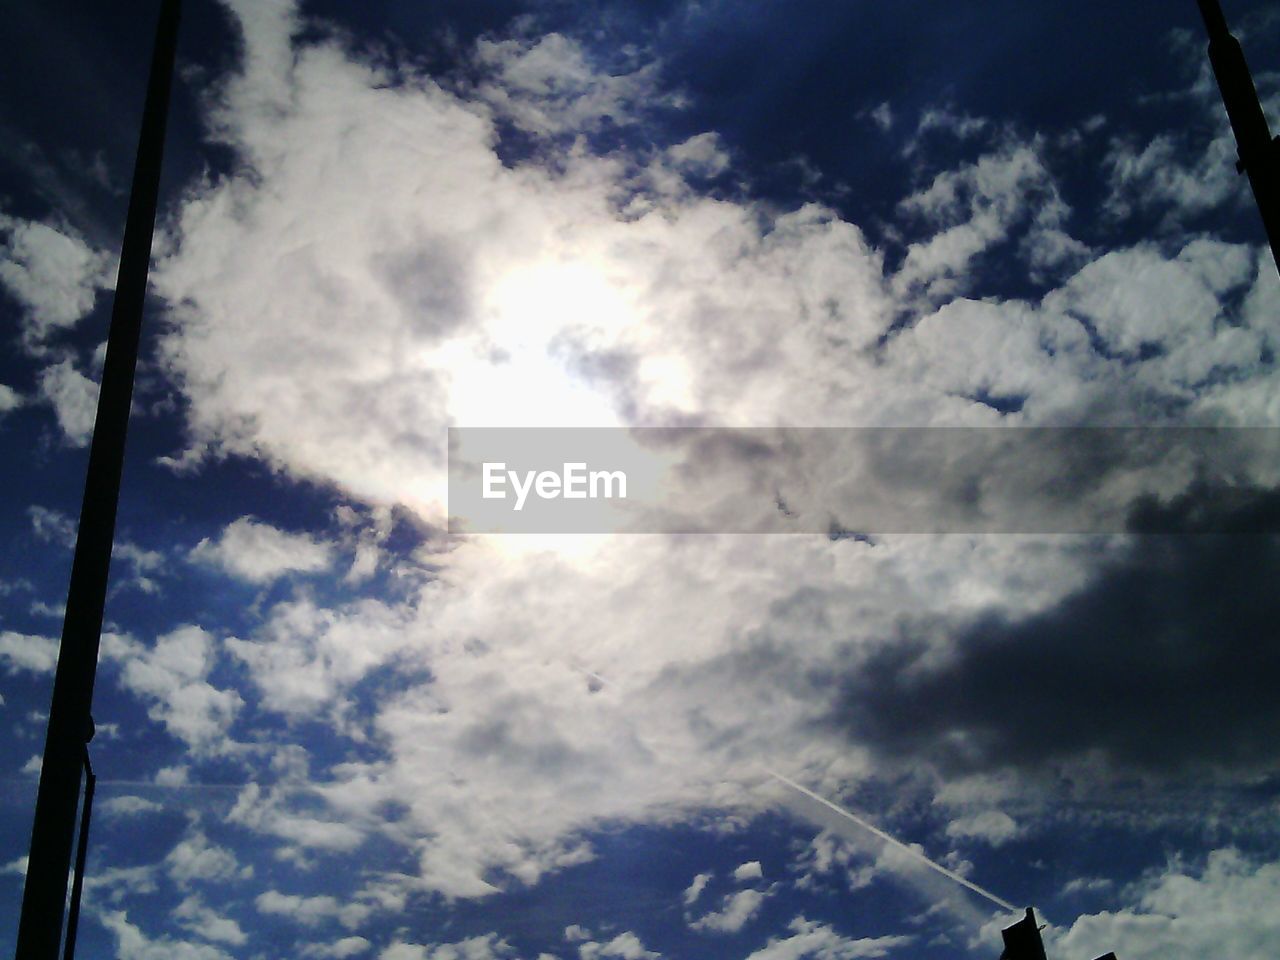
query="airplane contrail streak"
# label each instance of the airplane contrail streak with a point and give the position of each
(854, 818)
(949, 874)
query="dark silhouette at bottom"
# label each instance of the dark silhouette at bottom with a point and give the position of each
(1022, 941)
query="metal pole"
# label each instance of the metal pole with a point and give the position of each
(82, 852)
(45, 890)
(1259, 154)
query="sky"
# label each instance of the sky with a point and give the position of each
(328, 727)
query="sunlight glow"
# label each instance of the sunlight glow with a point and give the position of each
(519, 374)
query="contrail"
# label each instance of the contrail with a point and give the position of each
(871, 828)
(950, 874)
(150, 784)
(171, 786)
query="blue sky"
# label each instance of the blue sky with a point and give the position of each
(328, 728)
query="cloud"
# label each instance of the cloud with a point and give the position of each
(74, 398)
(52, 526)
(1176, 176)
(22, 651)
(17, 867)
(171, 776)
(736, 911)
(1137, 303)
(812, 939)
(486, 947)
(1141, 668)
(114, 885)
(338, 950)
(312, 911)
(475, 288)
(194, 917)
(194, 858)
(1222, 908)
(974, 208)
(748, 871)
(133, 944)
(625, 946)
(824, 854)
(701, 154)
(993, 826)
(1086, 885)
(960, 125)
(305, 656)
(1158, 176)
(173, 676)
(943, 888)
(503, 286)
(129, 806)
(546, 85)
(694, 890)
(257, 552)
(52, 272)
(269, 813)
(10, 399)
(882, 116)
(142, 561)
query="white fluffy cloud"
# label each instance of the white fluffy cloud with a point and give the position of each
(52, 272)
(486, 947)
(195, 917)
(701, 154)
(694, 890)
(625, 946)
(10, 399)
(305, 653)
(257, 552)
(194, 858)
(128, 806)
(736, 911)
(311, 911)
(1224, 908)
(750, 870)
(547, 85)
(172, 675)
(132, 943)
(22, 651)
(818, 940)
(974, 208)
(339, 949)
(74, 398)
(994, 826)
(269, 813)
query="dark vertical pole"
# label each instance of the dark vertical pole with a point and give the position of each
(82, 852)
(1259, 154)
(45, 891)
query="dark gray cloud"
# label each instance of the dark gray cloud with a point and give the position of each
(1166, 662)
